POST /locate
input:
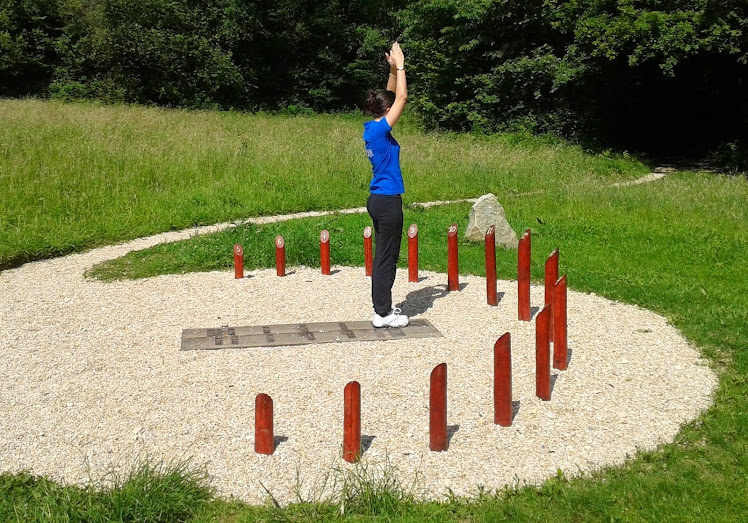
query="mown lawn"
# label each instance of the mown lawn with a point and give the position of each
(676, 246)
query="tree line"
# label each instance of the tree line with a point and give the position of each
(658, 75)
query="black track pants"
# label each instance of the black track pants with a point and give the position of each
(387, 213)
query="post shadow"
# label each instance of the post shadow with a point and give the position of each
(515, 409)
(554, 377)
(500, 296)
(451, 430)
(534, 311)
(366, 442)
(277, 440)
(568, 356)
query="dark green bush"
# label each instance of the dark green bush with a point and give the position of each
(657, 75)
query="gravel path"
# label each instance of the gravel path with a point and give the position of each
(91, 376)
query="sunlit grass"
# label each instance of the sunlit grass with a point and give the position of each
(81, 175)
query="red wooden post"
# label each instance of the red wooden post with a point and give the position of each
(264, 441)
(280, 256)
(502, 381)
(238, 262)
(542, 355)
(352, 422)
(438, 409)
(523, 277)
(368, 256)
(491, 293)
(551, 275)
(453, 277)
(559, 324)
(413, 253)
(324, 251)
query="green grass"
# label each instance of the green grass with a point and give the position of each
(676, 246)
(148, 492)
(81, 175)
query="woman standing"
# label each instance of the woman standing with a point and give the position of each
(385, 204)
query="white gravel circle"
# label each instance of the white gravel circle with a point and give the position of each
(91, 377)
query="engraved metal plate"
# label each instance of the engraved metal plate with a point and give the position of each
(300, 334)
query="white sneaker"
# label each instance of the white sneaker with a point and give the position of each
(393, 319)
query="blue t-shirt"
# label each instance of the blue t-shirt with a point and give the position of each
(384, 153)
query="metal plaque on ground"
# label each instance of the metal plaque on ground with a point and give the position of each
(300, 334)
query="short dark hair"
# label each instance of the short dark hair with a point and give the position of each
(378, 101)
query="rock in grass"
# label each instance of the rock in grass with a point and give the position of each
(485, 212)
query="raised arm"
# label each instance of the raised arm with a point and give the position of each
(401, 86)
(392, 79)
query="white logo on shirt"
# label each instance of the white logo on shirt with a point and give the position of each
(369, 153)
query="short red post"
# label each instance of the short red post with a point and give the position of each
(453, 277)
(324, 251)
(523, 277)
(502, 381)
(438, 409)
(491, 293)
(413, 253)
(280, 256)
(352, 422)
(542, 355)
(238, 262)
(551, 275)
(264, 439)
(368, 251)
(559, 324)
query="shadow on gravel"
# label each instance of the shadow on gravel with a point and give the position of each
(451, 430)
(418, 302)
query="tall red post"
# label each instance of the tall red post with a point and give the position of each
(413, 253)
(542, 355)
(551, 275)
(438, 409)
(368, 251)
(264, 439)
(238, 262)
(453, 276)
(502, 381)
(352, 422)
(280, 256)
(560, 358)
(523, 277)
(324, 251)
(491, 294)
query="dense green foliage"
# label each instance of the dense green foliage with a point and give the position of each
(643, 73)
(652, 74)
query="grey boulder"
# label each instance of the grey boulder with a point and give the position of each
(485, 212)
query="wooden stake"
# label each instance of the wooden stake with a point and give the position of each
(453, 271)
(551, 275)
(352, 422)
(368, 256)
(264, 438)
(491, 293)
(438, 409)
(413, 253)
(523, 277)
(542, 355)
(280, 256)
(238, 262)
(502, 381)
(560, 340)
(324, 251)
